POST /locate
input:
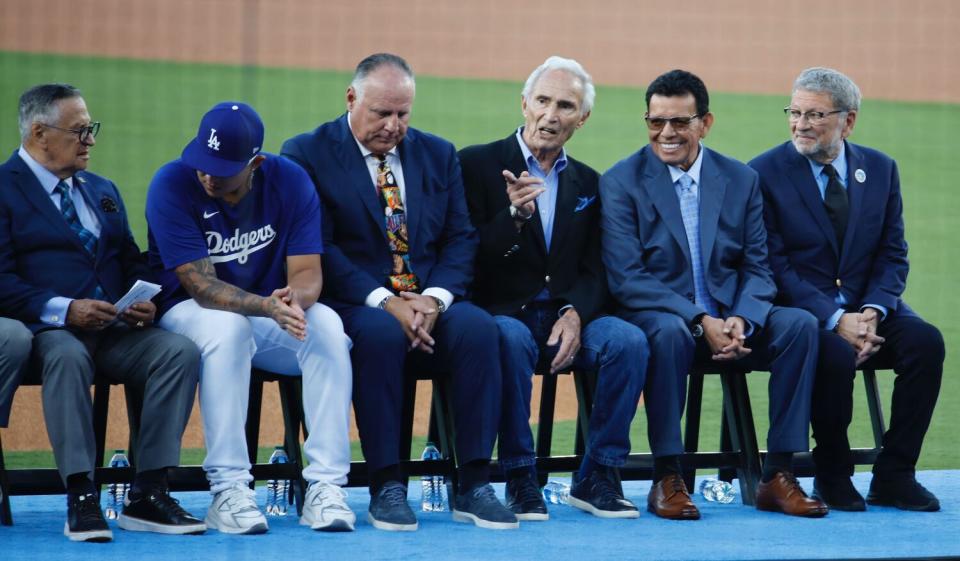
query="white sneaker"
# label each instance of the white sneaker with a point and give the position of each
(234, 511)
(325, 509)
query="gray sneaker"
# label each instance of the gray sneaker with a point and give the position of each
(481, 507)
(389, 509)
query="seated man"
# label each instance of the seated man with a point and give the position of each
(15, 341)
(235, 239)
(400, 249)
(539, 269)
(66, 252)
(834, 218)
(686, 258)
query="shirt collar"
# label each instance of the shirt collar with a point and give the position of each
(46, 178)
(560, 164)
(363, 149)
(839, 164)
(693, 172)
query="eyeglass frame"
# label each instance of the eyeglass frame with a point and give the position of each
(93, 129)
(683, 122)
(812, 117)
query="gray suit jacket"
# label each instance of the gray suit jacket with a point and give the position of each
(645, 248)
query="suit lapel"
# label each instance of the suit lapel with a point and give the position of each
(660, 189)
(35, 193)
(799, 174)
(412, 185)
(713, 187)
(512, 159)
(855, 194)
(354, 166)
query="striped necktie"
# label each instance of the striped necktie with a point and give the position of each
(69, 212)
(690, 211)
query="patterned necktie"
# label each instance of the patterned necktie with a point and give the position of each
(690, 210)
(402, 277)
(836, 203)
(87, 238)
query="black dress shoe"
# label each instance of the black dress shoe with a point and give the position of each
(903, 492)
(839, 493)
(156, 511)
(523, 498)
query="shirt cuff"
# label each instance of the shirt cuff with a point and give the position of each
(749, 328)
(442, 293)
(833, 320)
(881, 309)
(374, 298)
(54, 312)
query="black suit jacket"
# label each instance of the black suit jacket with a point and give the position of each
(513, 267)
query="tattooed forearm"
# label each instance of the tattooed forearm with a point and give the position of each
(199, 279)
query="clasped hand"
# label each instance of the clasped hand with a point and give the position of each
(725, 338)
(417, 315)
(287, 312)
(860, 330)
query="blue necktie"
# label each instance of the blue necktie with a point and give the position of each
(690, 210)
(87, 238)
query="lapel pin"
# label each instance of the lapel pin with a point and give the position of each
(860, 175)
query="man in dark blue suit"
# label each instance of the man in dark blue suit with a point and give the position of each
(685, 252)
(399, 257)
(833, 212)
(66, 253)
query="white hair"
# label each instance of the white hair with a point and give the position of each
(567, 65)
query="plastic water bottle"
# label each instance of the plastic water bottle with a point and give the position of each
(556, 493)
(277, 489)
(434, 488)
(715, 490)
(117, 492)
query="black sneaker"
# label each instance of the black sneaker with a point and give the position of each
(85, 521)
(838, 492)
(158, 512)
(389, 509)
(524, 499)
(481, 507)
(903, 492)
(601, 496)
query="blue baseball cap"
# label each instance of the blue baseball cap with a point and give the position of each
(230, 135)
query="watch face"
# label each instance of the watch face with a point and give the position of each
(697, 330)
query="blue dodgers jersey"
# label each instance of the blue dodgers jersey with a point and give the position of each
(247, 243)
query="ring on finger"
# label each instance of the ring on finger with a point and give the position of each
(140, 323)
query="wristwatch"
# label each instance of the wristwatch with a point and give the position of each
(383, 303)
(696, 328)
(515, 214)
(441, 307)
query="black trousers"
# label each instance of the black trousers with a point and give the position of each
(916, 350)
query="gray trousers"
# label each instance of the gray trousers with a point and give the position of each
(161, 367)
(14, 352)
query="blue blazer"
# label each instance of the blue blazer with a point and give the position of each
(357, 257)
(645, 248)
(809, 268)
(41, 257)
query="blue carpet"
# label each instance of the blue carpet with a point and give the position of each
(725, 532)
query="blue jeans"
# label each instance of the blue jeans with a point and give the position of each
(613, 348)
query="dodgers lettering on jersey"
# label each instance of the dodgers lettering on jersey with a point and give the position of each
(247, 243)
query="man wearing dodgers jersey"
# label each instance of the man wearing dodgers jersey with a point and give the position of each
(235, 238)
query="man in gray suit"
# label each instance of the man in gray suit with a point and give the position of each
(14, 352)
(685, 250)
(67, 253)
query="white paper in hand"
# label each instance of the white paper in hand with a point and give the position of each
(141, 291)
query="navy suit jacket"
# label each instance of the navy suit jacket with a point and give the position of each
(357, 257)
(513, 267)
(41, 257)
(645, 246)
(809, 268)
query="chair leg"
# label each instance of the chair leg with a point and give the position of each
(6, 516)
(101, 405)
(291, 402)
(691, 440)
(406, 419)
(548, 400)
(873, 404)
(443, 433)
(736, 401)
(726, 445)
(134, 407)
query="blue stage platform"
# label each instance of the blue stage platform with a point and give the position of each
(725, 532)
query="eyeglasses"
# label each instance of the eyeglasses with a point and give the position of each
(812, 117)
(678, 123)
(83, 133)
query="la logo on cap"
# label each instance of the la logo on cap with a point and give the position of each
(213, 142)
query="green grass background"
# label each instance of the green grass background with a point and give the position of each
(150, 110)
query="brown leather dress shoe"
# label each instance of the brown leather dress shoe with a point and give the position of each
(669, 499)
(784, 494)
